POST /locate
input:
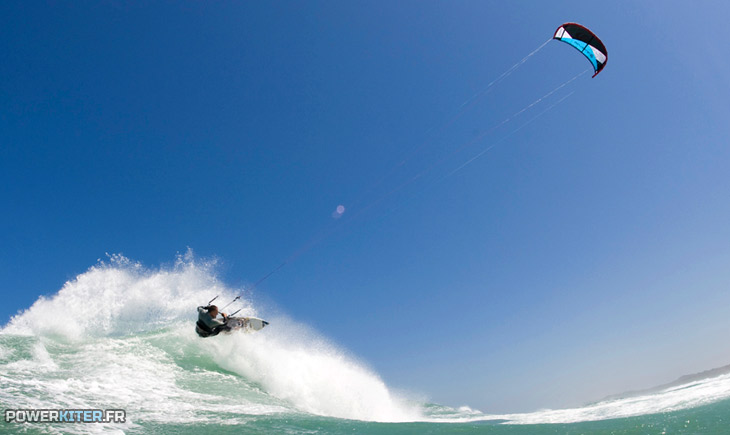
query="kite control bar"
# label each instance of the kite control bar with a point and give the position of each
(221, 309)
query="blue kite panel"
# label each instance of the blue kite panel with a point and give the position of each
(587, 52)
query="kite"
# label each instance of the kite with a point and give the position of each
(584, 41)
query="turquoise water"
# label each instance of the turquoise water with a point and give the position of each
(708, 419)
(146, 359)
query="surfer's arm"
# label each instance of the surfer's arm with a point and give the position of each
(215, 322)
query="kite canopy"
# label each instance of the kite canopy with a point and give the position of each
(586, 42)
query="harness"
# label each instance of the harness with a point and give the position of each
(203, 330)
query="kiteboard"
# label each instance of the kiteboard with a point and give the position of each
(246, 324)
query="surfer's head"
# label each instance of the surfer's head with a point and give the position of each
(213, 311)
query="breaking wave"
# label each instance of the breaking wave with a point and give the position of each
(121, 336)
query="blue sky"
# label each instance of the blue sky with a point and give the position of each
(585, 254)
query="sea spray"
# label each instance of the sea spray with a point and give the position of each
(120, 297)
(121, 336)
(126, 337)
(294, 364)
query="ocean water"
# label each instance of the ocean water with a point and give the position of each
(121, 336)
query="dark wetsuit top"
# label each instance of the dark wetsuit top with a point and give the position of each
(207, 326)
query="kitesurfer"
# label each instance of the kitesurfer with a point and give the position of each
(207, 324)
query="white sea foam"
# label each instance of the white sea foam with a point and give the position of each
(123, 338)
(119, 298)
(5, 353)
(687, 396)
(672, 399)
(296, 365)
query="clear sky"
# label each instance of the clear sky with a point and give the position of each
(585, 254)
